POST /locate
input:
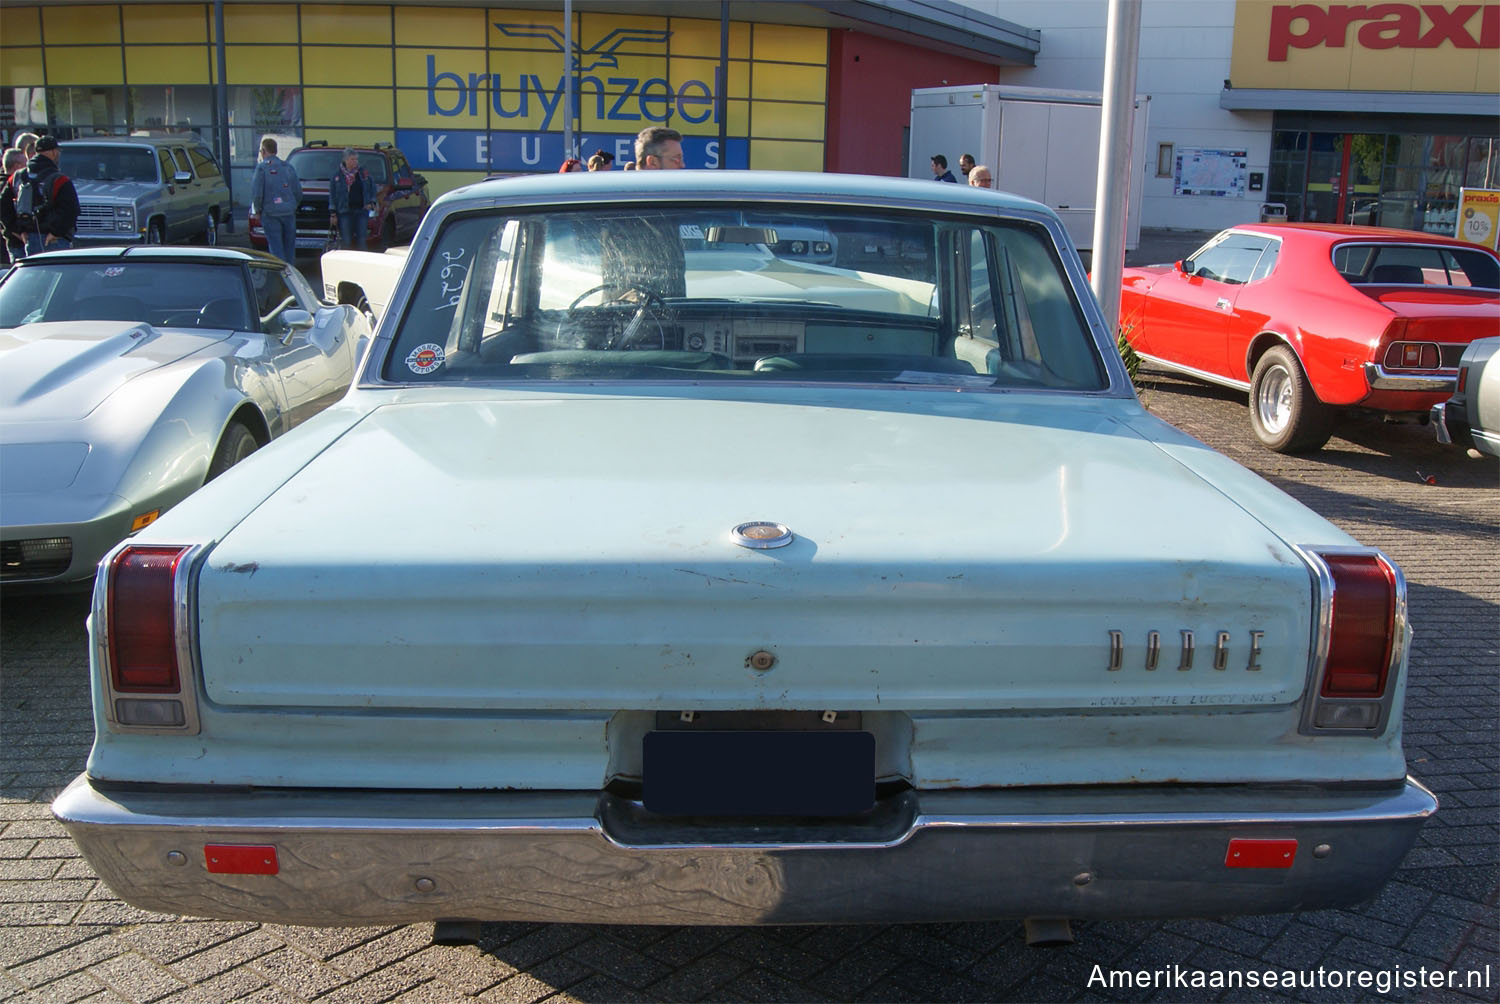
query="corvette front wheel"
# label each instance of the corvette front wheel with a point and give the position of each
(1285, 413)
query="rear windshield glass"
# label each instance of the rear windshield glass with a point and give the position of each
(1416, 265)
(97, 162)
(713, 293)
(169, 294)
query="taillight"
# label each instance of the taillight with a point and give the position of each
(1413, 356)
(1463, 379)
(140, 609)
(142, 620)
(1361, 640)
(1363, 626)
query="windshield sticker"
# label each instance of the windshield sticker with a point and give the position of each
(113, 271)
(425, 358)
(452, 274)
(690, 231)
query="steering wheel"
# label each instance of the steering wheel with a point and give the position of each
(645, 300)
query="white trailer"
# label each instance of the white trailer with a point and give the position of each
(1039, 143)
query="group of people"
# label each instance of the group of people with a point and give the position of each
(275, 192)
(656, 148)
(978, 175)
(38, 203)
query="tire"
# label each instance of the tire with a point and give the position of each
(1285, 413)
(238, 443)
(156, 232)
(211, 229)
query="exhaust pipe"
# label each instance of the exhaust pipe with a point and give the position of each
(455, 932)
(1048, 932)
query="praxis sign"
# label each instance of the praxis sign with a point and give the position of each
(1382, 26)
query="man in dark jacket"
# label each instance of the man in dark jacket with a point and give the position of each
(352, 197)
(14, 243)
(940, 170)
(50, 227)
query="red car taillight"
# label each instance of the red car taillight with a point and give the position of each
(1363, 628)
(1413, 356)
(142, 621)
(140, 610)
(1361, 641)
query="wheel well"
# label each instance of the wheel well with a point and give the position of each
(350, 293)
(250, 417)
(1260, 345)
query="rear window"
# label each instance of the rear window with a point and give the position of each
(745, 294)
(97, 162)
(1416, 265)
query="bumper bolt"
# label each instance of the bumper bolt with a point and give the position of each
(762, 660)
(176, 858)
(1083, 878)
(425, 885)
(1322, 851)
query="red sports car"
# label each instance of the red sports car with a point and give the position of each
(1313, 317)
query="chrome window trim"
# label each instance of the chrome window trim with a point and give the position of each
(1322, 628)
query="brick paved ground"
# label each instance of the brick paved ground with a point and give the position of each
(64, 937)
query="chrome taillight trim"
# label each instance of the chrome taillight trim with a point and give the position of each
(184, 626)
(1322, 631)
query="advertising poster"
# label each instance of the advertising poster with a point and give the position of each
(1479, 216)
(1211, 172)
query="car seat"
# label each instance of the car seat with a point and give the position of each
(108, 308)
(1397, 275)
(225, 312)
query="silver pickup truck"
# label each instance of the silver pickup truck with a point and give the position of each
(146, 189)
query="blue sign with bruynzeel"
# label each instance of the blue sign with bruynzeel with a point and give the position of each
(504, 151)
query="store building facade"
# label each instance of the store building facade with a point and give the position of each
(1366, 114)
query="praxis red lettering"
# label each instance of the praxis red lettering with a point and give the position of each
(1382, 26)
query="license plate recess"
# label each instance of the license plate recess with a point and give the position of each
(758, 773)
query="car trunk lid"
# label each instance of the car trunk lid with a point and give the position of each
(544, 553)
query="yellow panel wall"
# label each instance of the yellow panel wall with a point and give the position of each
(352, 66)
(247, 23)
(167, 64)
(21, 68)
(346, 24)
(430, 27)
(160, 24)
(81, 25)
(785, 155)
(369, 107)
(83, 64)
(262, 64)
(20, 26)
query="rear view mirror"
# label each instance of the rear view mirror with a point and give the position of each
(740, 235)
(182, 177)
(1185, 266)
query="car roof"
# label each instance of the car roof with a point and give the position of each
(180, 139)
(156, 252)
(851, 190)
(1343, 232)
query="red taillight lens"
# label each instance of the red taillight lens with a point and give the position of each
(1413, 355)
(142, 620)
(1463, 379)
(1364, 626)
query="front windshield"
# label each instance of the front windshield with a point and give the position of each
(100, 162)
(161, 293)
(717, 293)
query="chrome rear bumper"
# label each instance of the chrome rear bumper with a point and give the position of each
(356, 858)
(1381, 378)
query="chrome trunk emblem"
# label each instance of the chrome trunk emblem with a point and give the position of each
(761, 535)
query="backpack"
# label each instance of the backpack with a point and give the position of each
(31, 201)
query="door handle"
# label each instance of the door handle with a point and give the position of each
(1221, 303)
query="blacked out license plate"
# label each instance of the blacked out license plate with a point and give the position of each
(766, 773)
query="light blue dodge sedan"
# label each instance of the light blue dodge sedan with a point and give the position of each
(651, 574)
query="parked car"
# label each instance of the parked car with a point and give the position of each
(561, 617)
(1311, 318)
(402, 199)
(364, 279)
(130, 376)
(146, 189)
(1471, 417)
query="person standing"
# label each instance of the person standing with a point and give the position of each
(26, 143)
(979, 177)
(658, 148)
(13, 246)
(351, 198)
(54, 216)
(275, 191)
(965, 163)
(940, 170)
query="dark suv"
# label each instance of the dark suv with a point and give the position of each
(402, 200)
